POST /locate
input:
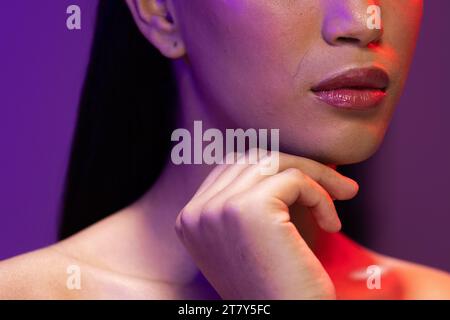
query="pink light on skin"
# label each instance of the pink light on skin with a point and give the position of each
(332, 166)
(346, 264)
(384, 50)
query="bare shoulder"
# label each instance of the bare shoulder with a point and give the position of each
(40, 274)
(60, 271)
(89, 265)
(418, 281)
(50, 273)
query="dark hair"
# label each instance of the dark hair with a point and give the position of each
(126, 115)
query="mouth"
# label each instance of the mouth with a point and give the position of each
(358, 89)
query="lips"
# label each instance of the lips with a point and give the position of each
(358, 89)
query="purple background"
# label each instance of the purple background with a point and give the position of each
(42, 65)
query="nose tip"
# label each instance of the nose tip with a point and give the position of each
(350, 26)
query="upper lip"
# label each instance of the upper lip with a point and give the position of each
(358, 78)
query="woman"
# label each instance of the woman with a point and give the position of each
(313, 69)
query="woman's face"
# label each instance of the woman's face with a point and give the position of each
(257, 62)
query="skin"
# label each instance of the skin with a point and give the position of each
(228, 232)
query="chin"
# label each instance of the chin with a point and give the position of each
(350, 153)
(350, 150)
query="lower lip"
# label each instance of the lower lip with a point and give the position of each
(352, 98)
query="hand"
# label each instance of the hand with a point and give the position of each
(237, 228)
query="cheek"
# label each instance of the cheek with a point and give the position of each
(246, 57)
(402, 21)
(402, 24)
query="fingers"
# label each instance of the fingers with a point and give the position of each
(291, 186)
(239, 176)
(211, 178)
(338, 186)
(312, 184)
(225, 174)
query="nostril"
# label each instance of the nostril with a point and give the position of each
(348, 40)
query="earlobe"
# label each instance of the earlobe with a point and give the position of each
(158, 25)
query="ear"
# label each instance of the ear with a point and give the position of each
(156, 22)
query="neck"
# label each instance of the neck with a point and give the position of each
(178, 183)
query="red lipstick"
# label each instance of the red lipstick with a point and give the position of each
(358, 89)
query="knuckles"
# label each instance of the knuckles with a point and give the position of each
(212, 215)
(235, 206)
(296, 174)
(196, 216)
(186, 219)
